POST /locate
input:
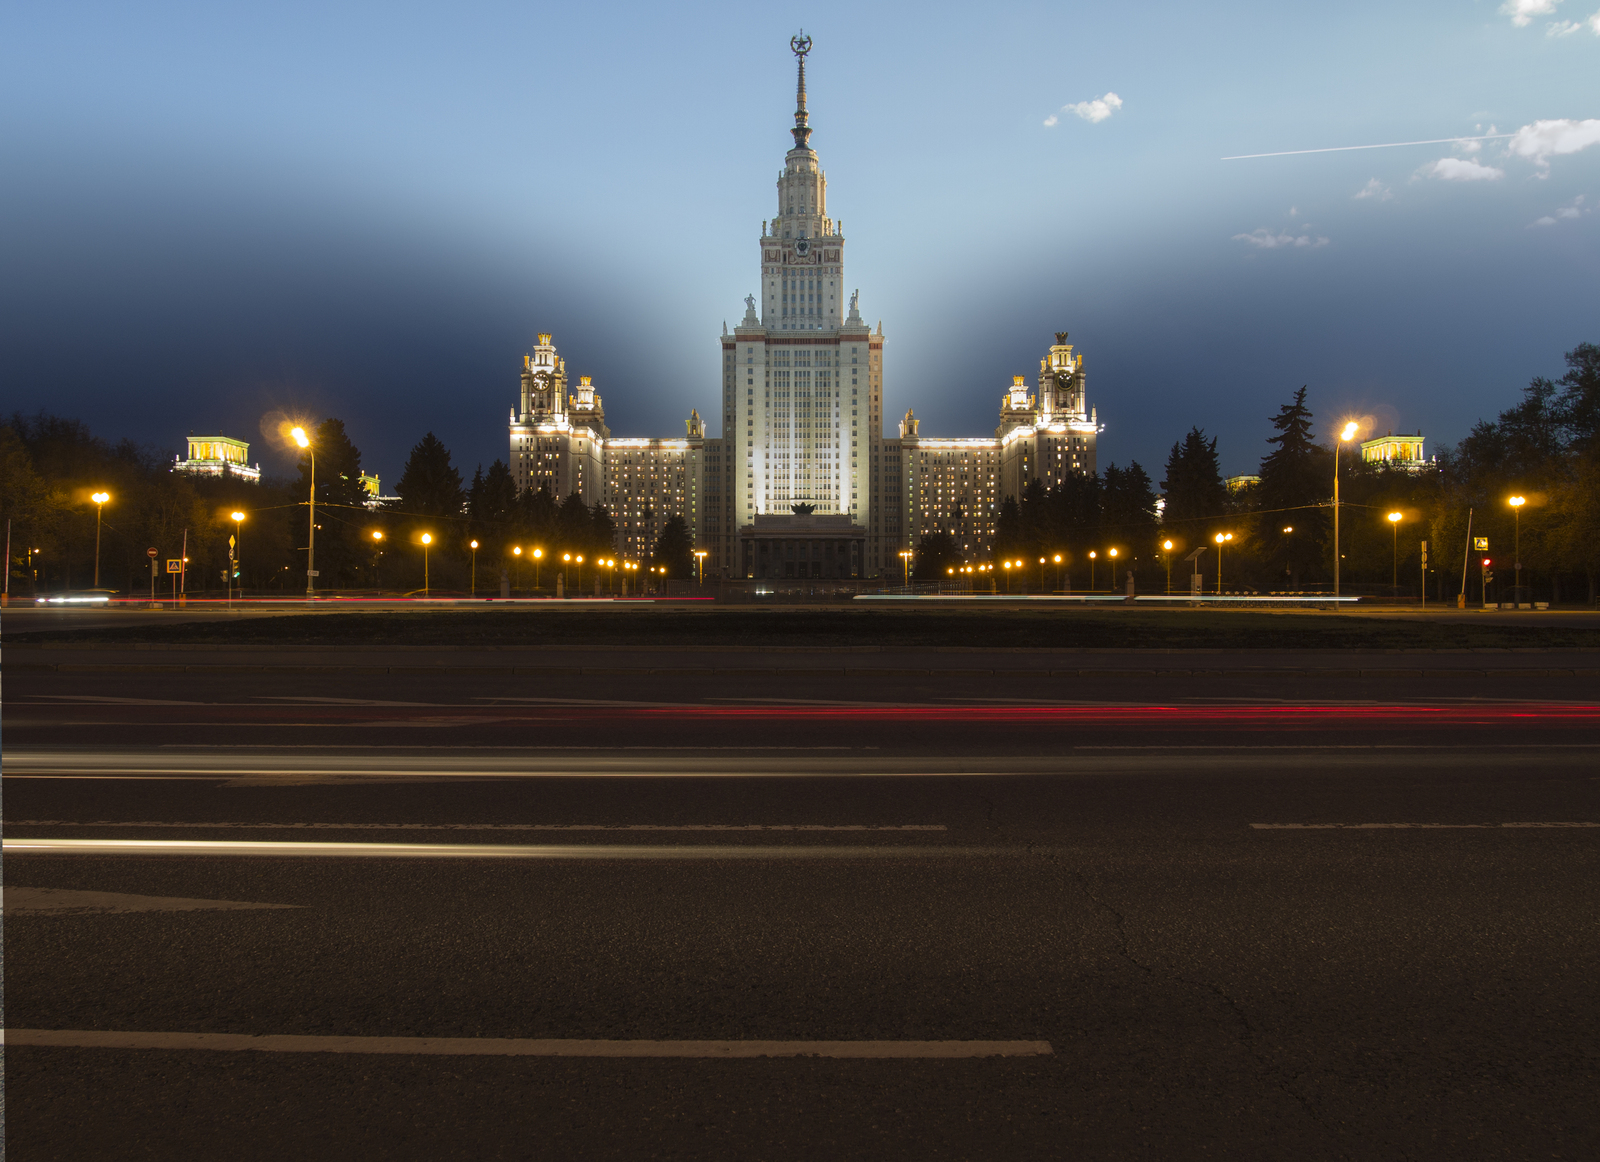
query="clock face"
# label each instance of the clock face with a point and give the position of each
(802, 248)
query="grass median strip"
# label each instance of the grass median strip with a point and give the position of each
(518, 1046)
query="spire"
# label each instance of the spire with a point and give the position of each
(802, 128)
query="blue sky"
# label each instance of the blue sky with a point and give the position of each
(215, 212)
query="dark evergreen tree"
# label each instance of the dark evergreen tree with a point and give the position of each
(430, 486)
(572, 526)
(602, 531)
(1008, 531)
(1193, 488)
(675, 550)
(1128, 508)
(935, 553)
(1296, 483)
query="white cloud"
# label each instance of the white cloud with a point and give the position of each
(1562, 28)
(1050, 120)
(1093, 111)
(1455, 169)
(1544, 138)
(1375, 189)
(1522, 12)
(1265, 239)
(1576, 208)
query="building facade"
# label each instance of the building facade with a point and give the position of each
(218, 456)
(801, 464)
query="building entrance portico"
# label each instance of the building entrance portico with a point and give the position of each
(803, 544)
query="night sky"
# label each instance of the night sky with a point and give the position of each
(219, 212)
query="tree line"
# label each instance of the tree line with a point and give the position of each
(1545, 448)
(50, 468)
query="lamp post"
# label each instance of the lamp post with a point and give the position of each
(1516, 517)
(427, 539)
(1394, 550)
(516, 553)
(99, 499)
(1092, 556)
(578, 558)
(304, 441)
(905, 564)
(236, 554)
(700, 565)
(1058, 570)
(537, 555)
(1221, 539)
(474, 546)
(1041, 574)
(1166, 552)
(1350, 429)
(377, 540)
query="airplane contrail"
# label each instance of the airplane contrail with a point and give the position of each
(1383, 145)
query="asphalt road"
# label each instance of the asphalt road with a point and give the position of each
(1273, 911)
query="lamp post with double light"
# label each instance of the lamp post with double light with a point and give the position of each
(1349, 433)
(99, 499)
(304, 441)
(1516, 503)
(700, 565)
(1221, 539)
(905, 564)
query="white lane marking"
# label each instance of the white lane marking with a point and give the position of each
(323, 700)
(520, 1046)
(221, 847)
(67, 900)
(493, 826)
(1409, 826)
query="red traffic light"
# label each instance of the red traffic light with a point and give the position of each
(1487, 562)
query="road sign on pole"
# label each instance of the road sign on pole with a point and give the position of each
(174, 565)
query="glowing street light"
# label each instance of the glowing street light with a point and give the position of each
(1166, 552)
(1092, 556)
(99, 499)
(538, 554)
(1349, 433)
(304, 441)
(905, 563)
(427, 539)
(1221, 539)
(474, 546)
(1516, 503)
(236, 554)
(700, 564)
(1394, 549)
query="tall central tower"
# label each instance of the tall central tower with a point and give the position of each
(802, 373)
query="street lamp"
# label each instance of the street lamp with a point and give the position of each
(537, 554)
(99, 499)
(474, 546)
(427, 539)
(236, 554)
(700, 564)
(1350, 430)
(579, 559)
(1394, 550)
(905, 563)
(1058, 570)
(1221, 539)
(377, 539)
(304, 441)
(1516, 516)
(1041, 574)
(1092, 556)
(1166, 547)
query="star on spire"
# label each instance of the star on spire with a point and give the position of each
(801, 45)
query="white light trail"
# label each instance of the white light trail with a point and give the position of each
(1382, 145)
